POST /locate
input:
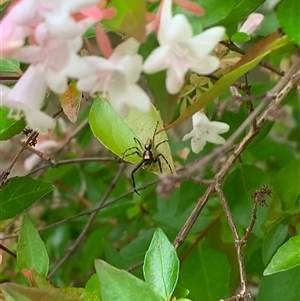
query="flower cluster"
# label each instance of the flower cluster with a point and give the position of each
(47, 35)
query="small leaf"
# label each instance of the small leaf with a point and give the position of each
(10, 66)
(240, 37)
(31, 251)
(70, 102)
(286, 257)
(19, 194)
(161, 265)
(9, 127)
(23, 293)
(92, 289)
(116, 284)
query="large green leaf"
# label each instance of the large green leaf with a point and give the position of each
(161, 265)
(282, 286)
(31, 251)
(19, 194)
(119, 285)
(286, 185)
(9, 127)
(206, 273)
(118, 134)
(286, 257)
(288, 14)
(10, 66)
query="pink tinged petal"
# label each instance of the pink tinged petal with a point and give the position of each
(173, 82)
(25, 12)
(205, 42)
(207, 65)
(138, 98)
(77, 67)
(177, 30)
(165, 12)
(200, 118)
(157, 60)
(39, 121)
(88, 84)
(131, 66)
(219, 127)
(252, 23)
(29, 91)
(57, 81)
(129, 47)
(103, 41)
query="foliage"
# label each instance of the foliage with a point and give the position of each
(219, 225)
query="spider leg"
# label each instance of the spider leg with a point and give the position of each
(157, 159)
(138, 142)
(137, 152)
(158, 144)
(153, 138)
(132, 175)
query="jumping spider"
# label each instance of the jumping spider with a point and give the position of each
(146, 153)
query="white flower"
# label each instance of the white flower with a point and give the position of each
(204, 131)
(252, 23)
(180, 51)
(117, 78)
(28, 96)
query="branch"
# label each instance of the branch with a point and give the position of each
(90, 221)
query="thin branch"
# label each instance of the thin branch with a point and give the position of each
(233, 47)
(243, 293)
(8, 251)
(88, 224)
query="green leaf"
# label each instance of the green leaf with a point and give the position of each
(130, 18)
(22, 293)
(206, 273)
(31, 251)
(288, 14)
(19, 194)
(286, 257)
(118, 134)
(161, 265)
(116, 285)
(274, 238)
(10, 66)
(282, 286)
(286, 185)
(92, 289)
(240, 37)
(9, 127)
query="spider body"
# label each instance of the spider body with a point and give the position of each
(147, 155)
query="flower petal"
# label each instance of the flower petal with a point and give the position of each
(197, 145)
(39, 121)
(174, 83)
(157, 60)
(215, 138)
(200, 118)
(220, 127)
(207, 65)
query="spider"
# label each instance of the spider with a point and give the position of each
(146, 153)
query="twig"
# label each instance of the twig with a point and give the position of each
(243, 293)
(91, 219)
(233, 47)
(8, 251)
(53, 163)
